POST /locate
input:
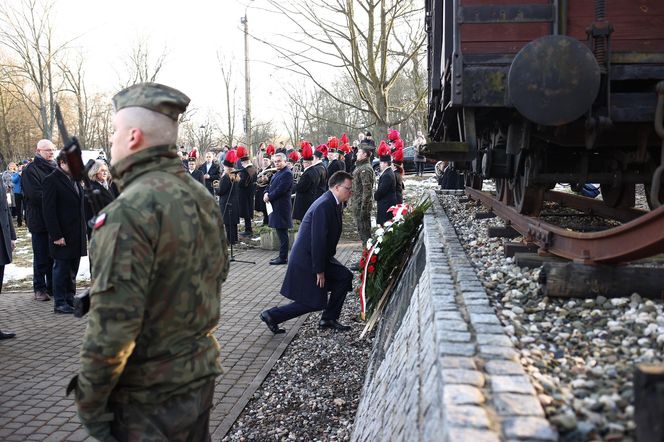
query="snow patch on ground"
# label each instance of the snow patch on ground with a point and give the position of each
(14, 273)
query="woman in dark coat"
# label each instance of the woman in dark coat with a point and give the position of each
(385, 194)
(228, 197)
(100, 185)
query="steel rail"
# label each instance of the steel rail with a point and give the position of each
(593, 207)
(637, 239)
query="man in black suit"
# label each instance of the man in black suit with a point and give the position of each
(319, 166)
(307, 187)
(196, 174)
(278, 194)
(64, 214)
(211, 172)
(33, 192)
(7, 245)
(312, 269)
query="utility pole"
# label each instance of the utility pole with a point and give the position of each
(247, 83)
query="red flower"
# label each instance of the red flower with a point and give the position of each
(362, 263)
(373, 259)
(371, 269)
(365, 252)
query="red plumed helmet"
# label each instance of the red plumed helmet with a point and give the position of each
(344, 138)
(333, 143)
(269, 150)
(397, 156)
(393, 134)
(398, 144)
(307, 151)
(294, 157)
(242, 153)
(345, 148)
(230, 159)
(383, 149)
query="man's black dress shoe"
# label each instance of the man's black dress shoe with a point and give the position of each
(274, 327)
(333, 324)
(6, 335)
(66, 309)
(278, 261)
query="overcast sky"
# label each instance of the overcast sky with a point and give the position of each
(193, 32)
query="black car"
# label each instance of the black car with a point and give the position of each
(409, 165)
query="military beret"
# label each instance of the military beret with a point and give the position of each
(153, 96)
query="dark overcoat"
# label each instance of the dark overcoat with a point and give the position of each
(306, 191)
(32, 182)
(228, 200)
(385, 195)
(247, 191)
(197, 174)
(279, 193)
(7, 230)
(214, 173)
(399, 187)
(335, 166)
(349, 161)
(106, 197)
(64, 214)
(322, 185)
(313, 252)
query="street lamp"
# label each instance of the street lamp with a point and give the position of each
(247, 81)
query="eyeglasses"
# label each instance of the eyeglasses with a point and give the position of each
(350, 189)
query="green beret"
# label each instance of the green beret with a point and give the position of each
(153, 96)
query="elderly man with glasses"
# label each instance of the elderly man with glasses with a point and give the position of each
(33, 190)
(313, 271)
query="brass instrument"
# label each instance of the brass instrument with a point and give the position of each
(215, 184)
(263, 177)
(297, 171)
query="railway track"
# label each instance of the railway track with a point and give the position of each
(640, 236)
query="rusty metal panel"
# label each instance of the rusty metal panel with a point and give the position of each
(506, 14)
(485, 86)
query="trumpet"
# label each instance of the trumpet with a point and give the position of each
(263, 177)
(215, 184)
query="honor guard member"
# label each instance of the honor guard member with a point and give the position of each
(228, 191)
(362, 199)
(307, 187)
(333, 154)
(247, 190)
(397, 167)
(159, 256)
(318, 164)
(385, 194)
(195, 173)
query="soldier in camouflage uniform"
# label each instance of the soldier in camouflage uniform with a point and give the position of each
(159, 257)
(362, 201)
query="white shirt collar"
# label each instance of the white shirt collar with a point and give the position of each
(335, 197)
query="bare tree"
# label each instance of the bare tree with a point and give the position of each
(372, 41)
(26, 31)
(230, 92)
(141, 65)
(74, 83)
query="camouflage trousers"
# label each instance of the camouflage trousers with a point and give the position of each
(363, 221)
(185, 417)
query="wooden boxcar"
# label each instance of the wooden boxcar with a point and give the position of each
(534, 92)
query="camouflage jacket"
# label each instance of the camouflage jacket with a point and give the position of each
(363, 181)
(159, 257)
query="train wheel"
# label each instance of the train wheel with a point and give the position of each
(473, 180)
(661, 195)
(528, 198)
(618, 196)
(503, 191)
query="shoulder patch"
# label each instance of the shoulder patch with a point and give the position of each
(100, 221)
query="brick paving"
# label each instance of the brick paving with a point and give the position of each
(36, 366)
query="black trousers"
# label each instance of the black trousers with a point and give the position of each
(338, 281)
(283, 243)
(42, 263)
(64, 281)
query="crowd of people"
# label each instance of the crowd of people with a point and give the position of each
(149, 357)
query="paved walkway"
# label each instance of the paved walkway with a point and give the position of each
(36, 366)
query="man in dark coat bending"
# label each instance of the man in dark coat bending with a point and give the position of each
(312, 269)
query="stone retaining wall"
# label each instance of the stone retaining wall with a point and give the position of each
(442, 368)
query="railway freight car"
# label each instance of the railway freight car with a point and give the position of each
(536, 92)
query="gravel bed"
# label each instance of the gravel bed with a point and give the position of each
(580, 354)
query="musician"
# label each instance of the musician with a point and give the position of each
(308, 185)
(195, 173)
(228, 196)
(321, 169)
(247, 192)
(262, 181)
(210, 171)
(293, 157)
(334, 164)
(397, 167)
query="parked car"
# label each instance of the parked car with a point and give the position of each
(409, 165)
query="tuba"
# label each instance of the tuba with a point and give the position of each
(264, 176)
